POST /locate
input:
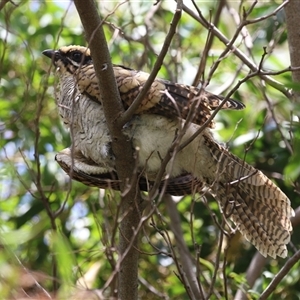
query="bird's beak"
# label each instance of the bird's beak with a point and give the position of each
(53, 54)
(50, 53)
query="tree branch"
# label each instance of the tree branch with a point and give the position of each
(209, 42)
(292, 17)
(279, 276)
(159, 61)
(188, 265)
(258, 262)
(243, 57)
(3, 2)
(122, 149)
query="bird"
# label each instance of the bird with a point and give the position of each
(260, 210)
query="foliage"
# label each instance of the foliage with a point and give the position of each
(67, 230)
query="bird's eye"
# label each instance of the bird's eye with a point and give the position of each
(76, 56)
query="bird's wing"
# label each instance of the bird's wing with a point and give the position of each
(163, 98)
(87, 172)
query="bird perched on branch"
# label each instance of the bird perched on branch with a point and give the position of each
(170, 112)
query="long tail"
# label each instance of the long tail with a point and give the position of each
(256, 205)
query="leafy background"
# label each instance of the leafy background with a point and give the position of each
(61, 231)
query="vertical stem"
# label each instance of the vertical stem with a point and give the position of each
(293, 32)
(128, 276)
(122, 149)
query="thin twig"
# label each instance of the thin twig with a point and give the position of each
(217, 266)
(251, 65)
(279, 276)
(273, 13)
(257, 264)
(188, 264)
(209, 41)
(3, 2)
(159, 61)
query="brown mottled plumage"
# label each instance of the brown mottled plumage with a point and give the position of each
(76, 167)
(164, 97)
(258, 207)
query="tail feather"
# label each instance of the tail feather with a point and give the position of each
(262, 236)
(257, 222)
(257, 206)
